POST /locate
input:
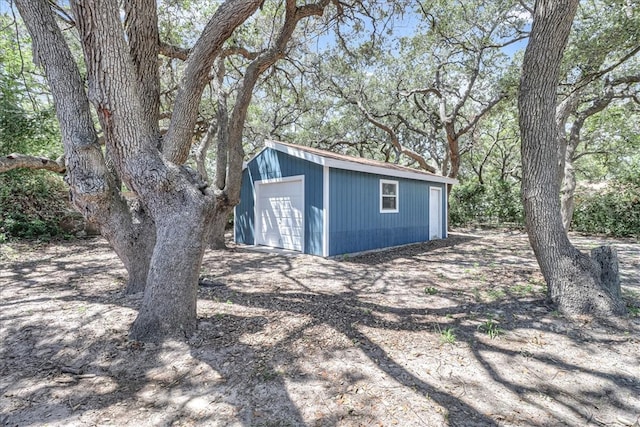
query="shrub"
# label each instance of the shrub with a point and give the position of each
(614, 211)
(492, 203)
(32, 203)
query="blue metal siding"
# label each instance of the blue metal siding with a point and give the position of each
(355, 221)
(273, 164)
(244, 212)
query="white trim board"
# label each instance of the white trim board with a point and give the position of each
(396, 196)
(354, 166)
(438, 191)
(325, 211)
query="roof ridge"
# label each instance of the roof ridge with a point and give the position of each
(355, 159)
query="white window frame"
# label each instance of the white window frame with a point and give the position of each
(397, 196)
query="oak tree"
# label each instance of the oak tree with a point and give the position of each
(154, 210)
(575, 281)
(599, 71)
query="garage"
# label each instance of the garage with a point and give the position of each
(279, 220)
(328, 204)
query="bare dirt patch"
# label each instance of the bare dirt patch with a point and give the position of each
(451, 332)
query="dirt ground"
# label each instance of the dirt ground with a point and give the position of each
(452, 332)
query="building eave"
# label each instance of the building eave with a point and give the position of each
(356, 166)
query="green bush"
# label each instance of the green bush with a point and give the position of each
(614, 211)
(32, 203)
(492, 203)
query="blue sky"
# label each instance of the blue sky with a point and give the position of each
(402, 27)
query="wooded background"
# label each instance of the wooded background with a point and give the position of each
(159, 103)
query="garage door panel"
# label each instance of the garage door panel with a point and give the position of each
(280, 214)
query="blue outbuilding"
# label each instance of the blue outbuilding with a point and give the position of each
(322, 203)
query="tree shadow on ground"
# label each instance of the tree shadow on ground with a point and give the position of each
(418, 249)
(349, 311)
(346, 314)
(356, 322)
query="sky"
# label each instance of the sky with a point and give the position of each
(407, 25)
(403, 26)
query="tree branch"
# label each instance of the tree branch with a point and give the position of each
(16, 160)
(423, 91)
(171, 51)
(395, 141)
(594, 76)
(293, 15)
(626, 80)
(62, 13)
(526, 7)
(236, 50)
(141, 25)
(480, 114)
(230, 15)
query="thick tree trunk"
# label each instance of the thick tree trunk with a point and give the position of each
(160, 240)
(136, 248)
(169, 302)
(573, 278)
(178, 205)
(219, 227)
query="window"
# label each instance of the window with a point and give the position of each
(388, 196)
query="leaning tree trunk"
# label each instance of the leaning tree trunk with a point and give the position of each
(94, 188)
(228, 179)
(573, 279)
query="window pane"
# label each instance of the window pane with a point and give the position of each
(389, 189)
(389, 203)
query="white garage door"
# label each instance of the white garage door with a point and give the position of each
(280, 214)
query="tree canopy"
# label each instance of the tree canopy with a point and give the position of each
(157, 104)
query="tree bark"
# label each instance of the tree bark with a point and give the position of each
(17, 160)
(160, 235)
(219, 223)
(573, 278)
(141, 24)
(160, 238)
(175, 202)
(169, 303)
(568, 187)
(93, 189)
(227, 17)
